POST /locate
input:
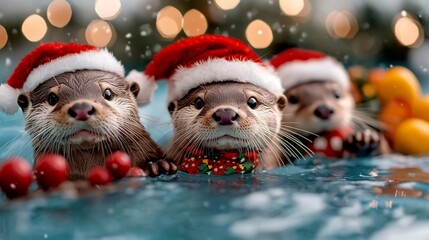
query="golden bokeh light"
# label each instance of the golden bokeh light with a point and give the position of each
(259, 34)
(59, 13)
(227, 4)
(3, 36)
(408, 31)
(98, 33)
(34, 28)
(292, 7)
(342, 25)
(169, 22)
(107, 9)
(194, 23)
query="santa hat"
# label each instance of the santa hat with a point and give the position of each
(52, 59)
(195, 61)
(296, 66)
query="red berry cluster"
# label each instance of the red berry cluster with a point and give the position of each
(16, 174)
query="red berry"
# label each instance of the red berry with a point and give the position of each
(229, 155)
(118, 164)
(252, 156)
(135, 172)
(15, 177)
(51, 171)
(99, 176)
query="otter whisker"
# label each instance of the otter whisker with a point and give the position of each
(287, 127)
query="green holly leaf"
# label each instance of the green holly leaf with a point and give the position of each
(203, 168)
(229, 170)
(241, 155)
(248, 166)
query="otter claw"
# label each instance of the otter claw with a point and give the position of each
(154, 169)
(363, 143)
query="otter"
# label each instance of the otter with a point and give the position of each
(226, 116)
(86, 115)
(319, 107)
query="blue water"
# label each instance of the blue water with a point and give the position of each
(315, 199)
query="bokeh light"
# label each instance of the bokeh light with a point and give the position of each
(292, 7)
(34, 28)
(408, 31)
(342, 25)
(98, 33)
(169, 22)
(194, 23)
(227, 4)
(3, 36)
(107, 9)
(259, 34)
(59, 13)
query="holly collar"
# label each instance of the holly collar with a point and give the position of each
(219, 162)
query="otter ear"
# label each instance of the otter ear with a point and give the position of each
(281, 102)
(134, 88)
(24, 101)
(172, 106)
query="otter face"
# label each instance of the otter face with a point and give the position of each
(82, 109)
(318, 106)
(226, 116)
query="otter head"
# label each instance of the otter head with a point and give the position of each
(318, 106)
(226, 116)
(79, 109)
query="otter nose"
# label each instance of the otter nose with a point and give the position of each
(225, 116)
(323, 112)
(81, 111)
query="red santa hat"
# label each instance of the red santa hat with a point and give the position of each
(296, 66)
(195, 61)
(52, 59)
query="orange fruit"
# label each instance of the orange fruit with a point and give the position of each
(399, 82)
(392, 114)
(412, 137)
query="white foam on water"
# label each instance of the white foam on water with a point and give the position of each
(349, 221)
(404, 228)
(306, 206)
(407, 185)
(259, 200)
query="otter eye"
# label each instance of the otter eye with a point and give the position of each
(337, 94)
(52, 99)
(199, 103)
(252, 102)
(293, 99)
(107, 94)
(171, 107)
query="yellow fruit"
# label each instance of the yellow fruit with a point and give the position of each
(421, 108)
(399, 82)
(412, 137)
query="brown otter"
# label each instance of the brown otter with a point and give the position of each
(225, 104)
(86, 115)
(227, 116)
(320, 103)
(323, 106)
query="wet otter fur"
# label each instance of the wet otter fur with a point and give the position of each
(316, 107)
(227, 116)
(85, 116)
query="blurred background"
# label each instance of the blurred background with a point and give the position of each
(370, 33)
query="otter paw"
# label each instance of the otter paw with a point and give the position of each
(154, 169)
(362, 144)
